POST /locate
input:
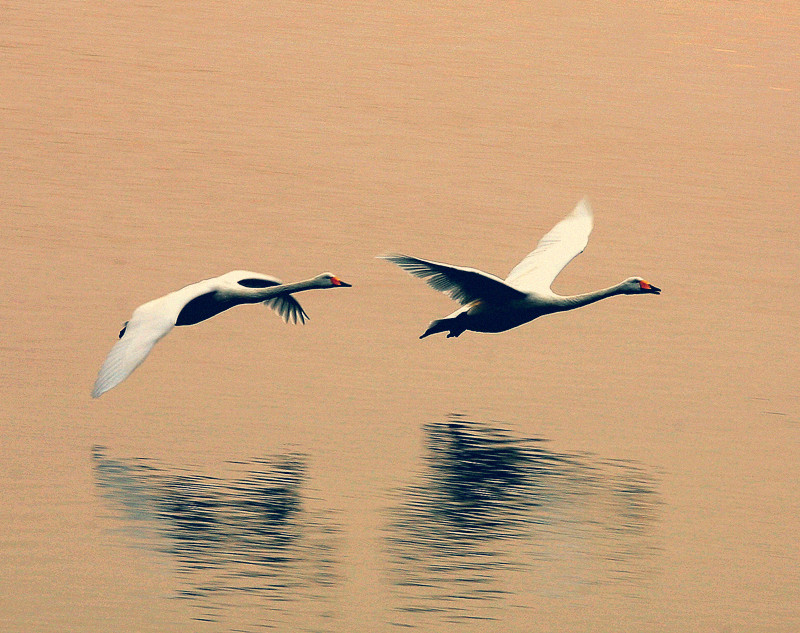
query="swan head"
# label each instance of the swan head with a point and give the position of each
(638, 286)
(329, 280)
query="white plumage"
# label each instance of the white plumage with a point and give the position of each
(491, 304)
(197, 302)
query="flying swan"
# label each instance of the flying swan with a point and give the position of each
(200, 301)
(493, 305)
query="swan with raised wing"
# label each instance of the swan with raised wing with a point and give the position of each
(490, 304)
(195, 303)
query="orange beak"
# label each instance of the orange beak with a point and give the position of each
(338, 282)
(649, 288)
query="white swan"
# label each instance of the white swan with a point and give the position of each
(493, 305)
(200, 301)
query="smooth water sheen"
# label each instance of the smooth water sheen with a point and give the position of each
(629, 466)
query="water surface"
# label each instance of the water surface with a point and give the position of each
(630, 466)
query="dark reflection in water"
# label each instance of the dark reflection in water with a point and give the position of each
(492, 520)
(244, 543)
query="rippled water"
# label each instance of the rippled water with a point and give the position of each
(491, 514)
(628, 467)
(239, 541)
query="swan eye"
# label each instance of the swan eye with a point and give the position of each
(256, 283)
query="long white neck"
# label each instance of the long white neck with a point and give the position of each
(256, 295)
(298, 286)
(578, 301)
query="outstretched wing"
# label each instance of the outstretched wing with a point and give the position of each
(555, 250)
(285, 305)
(288, 307)
(464, 285)
(139, 336)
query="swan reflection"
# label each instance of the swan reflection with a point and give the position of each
(240, 540)
(490, 515)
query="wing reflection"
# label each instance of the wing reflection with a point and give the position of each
(240, 540)
(490, 515)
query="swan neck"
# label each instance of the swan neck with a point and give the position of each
(308, 284)
(298, 286)
(578, 301)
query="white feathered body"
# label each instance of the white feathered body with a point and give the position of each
(194, 303)
(491, 304)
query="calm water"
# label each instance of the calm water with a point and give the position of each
(239, 542)
(632, 466)
(489, 512)
(486, 512)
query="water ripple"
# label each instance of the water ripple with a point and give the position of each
(491, 516)
(240, 540)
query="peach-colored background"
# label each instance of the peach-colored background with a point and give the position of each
(144, 147)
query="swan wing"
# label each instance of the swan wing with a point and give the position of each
(248, 279)
(146, 327)
(284, 304)
(555, 250)
(464, 285)
(288, 307)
